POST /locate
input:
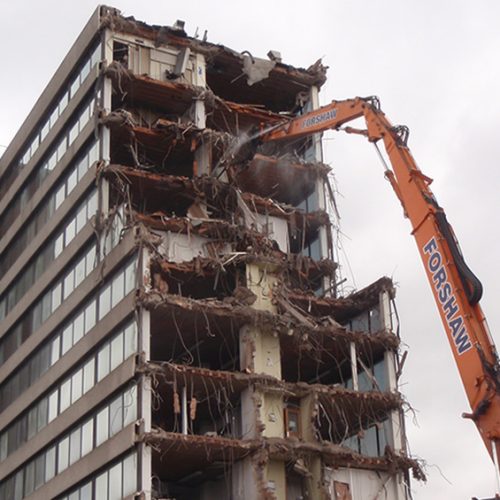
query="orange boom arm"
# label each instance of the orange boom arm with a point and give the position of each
(456, 290)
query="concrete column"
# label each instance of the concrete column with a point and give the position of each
(396, 416)
(262, 412)
(144, 350)
(354, 366)
(202, 154)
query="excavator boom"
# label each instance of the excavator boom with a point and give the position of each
(456, 290)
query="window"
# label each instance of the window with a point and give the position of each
(116, 351)
(292, 419)
(101, 486)
(116, 415)
(104, 301)
(103, 364)
(50, 463)
(87, 437)
(63, 455)
(65, 395)
(53, 405)
(75, 445)
(47, 408)
(76, 386)
(115, 479)
(117, 482)
(342, 491)
(102, 427)
(88, 375)
(78, 327)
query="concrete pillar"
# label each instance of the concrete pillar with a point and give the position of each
(202, 155)
(145, 406)
(396, 416)
(262, 412)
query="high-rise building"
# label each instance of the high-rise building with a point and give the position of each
(170, 320)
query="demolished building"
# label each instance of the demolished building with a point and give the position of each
(170, 320)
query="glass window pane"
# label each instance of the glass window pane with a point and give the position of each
(63, 455)
(81, 218)
(369, 442)
(130, 406)
(63, 103)
(93, 154)
(60, 196)
(45, 131)
(67, 338)
(55, 350)
(101, 486)
(65, 395)
(58, 248)
(3, 446)
(76, 386)
(84, 117)
(90, 318)
(75, 445)
(73, 133)
(86, 492)
(53, 117)
(117, 289)
(104, 302)
(32, 422)
(90, 260)
(56, 296)
(82, 167)
(115, 479)
(18, 485)
(50, 463)
(69, 232)
(381, 375)
(85, 71)
(43, 413)
(29, 478)
(130, 278)
(129, 475)
(78, 326)
(75, 495)
(40, 470)
(116, 416)
(116, 351)
(96, 56)
(87, 437)
(61, 149)
(88, 375)
(103, 362)
(69, 284)
(74, 87)
(52, 161)
(53, 400)
(102, 426)
(130, 340)
(79, 272)
(92, 205)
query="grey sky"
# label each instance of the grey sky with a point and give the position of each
(435, 66)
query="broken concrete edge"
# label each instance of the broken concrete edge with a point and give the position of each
(334, 456)
(165, 35)
(277, 324)
(125, 82)
(237, 381)
(209, 188)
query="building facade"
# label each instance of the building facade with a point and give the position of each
(169, 320)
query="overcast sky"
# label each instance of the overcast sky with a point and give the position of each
(435, 67)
